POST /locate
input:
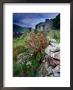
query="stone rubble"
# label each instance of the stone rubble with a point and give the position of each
(51, 64)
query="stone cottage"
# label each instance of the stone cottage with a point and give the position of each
(47, 25)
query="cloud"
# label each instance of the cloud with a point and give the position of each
(31, 22)
(31, 19)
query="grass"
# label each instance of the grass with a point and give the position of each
(53, 34)
(16, 69)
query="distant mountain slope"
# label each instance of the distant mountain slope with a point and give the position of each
(17, 28)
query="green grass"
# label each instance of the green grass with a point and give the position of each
(53, 34)
(16, 69)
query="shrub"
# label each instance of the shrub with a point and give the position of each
(37, 41)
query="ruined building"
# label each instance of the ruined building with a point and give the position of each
(47, 25)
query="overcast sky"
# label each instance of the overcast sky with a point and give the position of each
(31, 19)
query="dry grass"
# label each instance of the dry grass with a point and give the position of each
(37, 41)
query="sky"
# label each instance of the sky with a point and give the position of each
(31, 19)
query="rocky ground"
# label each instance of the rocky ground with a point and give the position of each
(51, 64)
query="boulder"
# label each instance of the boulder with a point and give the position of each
(52, 61)
(42, 70)
(56, 55)
(56, 71)
(53, 50)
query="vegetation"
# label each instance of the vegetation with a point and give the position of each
(32, 43)
(57, 21)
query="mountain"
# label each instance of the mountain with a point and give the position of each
(17, 28)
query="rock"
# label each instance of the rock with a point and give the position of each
(56, 62)
(53, 50)
(51, 61)
(43, 61)
(51, 75)
(56, 75)
(46, 65)
(49, 69)
(56, 71)
(42, 70)
(48, 50)
(46, 69)
(57, 55)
